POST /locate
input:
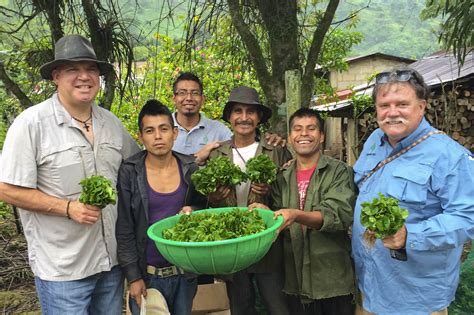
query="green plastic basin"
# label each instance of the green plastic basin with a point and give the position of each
(217, 257)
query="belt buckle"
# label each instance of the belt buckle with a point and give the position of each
(168, 271)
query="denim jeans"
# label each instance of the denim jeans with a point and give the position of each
(242, 294)
(98, 294)
(178, 291)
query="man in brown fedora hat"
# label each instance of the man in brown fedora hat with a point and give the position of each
(245, 112)
(49, 149)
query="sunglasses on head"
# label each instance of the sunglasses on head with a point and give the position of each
(399, 75)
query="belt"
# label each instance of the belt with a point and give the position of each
(165, 271)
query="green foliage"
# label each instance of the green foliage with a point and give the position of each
(383, 216)
(389, 27)
(261, 169)
(361, 103)
(457, 29)
(5, 210)
(219, 171)
(464, 301)
(166, 59)
(3, 133)
(98, 191)
(203, 226)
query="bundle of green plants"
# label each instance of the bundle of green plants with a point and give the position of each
(219, 171)
(98, 191)
(381, 217)
(261, 169)
(204, 226)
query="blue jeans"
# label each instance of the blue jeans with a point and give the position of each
(101, 293)
(178, 291)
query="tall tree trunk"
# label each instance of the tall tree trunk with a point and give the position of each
(13, 88)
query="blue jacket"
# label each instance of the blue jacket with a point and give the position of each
(435, 182)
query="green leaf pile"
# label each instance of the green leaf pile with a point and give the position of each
(261, 169)
(219, 171)
(97, 190)
(383, 217)
(204, 226)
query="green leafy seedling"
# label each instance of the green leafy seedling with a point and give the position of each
(98, 191)
(219, 171)
(381, 217)
(205, 226)
(261, 169)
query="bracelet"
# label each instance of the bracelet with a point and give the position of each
(67, 209)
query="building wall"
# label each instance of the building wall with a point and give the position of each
(357, 74)
(360, 70)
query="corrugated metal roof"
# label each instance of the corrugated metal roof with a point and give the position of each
(436, 69)
(381, 55)
(443, 67)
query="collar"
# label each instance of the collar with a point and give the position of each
(63, 117)
(201, 123)
(288, 170)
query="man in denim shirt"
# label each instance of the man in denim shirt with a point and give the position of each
(434, 181)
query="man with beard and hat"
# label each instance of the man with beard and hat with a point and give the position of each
(245, 112)
(49, 149)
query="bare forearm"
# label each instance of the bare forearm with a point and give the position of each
(32, 199)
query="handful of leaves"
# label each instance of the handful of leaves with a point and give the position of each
(218, 171)
(261, 169)
(203, 226)
(97, 190)
(382, 217)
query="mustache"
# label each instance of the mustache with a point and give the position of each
(393, 120)
(244, 122)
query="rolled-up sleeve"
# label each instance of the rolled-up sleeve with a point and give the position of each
(19, 166)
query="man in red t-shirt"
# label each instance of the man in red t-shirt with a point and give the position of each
(315, 195)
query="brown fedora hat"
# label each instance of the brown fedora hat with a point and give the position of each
(73, 48)
(248, 96)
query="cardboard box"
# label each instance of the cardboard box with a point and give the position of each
(211, 298)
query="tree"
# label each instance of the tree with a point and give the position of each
(458, 27)
(279, 35)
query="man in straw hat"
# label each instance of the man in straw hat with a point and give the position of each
(245, 112)
(48, 150)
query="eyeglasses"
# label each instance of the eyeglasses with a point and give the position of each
(194, 93)
(399, 75)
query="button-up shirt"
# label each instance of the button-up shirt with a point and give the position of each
(46, 150)
(435, 182)
(206, 131)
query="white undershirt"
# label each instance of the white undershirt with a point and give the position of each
(242, 190)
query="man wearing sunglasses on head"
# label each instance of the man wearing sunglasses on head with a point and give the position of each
(416, 270)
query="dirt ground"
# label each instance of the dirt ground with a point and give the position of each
(18, 295)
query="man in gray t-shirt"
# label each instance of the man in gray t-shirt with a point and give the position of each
(49, 149)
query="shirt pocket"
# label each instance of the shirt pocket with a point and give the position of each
(410, 184)
(63, 169)
(109, 159)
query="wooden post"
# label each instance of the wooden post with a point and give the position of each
(293, 93)
(351, 144)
